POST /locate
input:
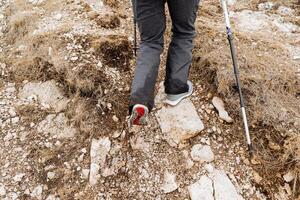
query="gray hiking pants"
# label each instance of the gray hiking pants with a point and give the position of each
(151, 21)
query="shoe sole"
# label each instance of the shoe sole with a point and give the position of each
(174, 103)
(139, 116)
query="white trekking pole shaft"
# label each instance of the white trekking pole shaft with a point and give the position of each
(236, 73)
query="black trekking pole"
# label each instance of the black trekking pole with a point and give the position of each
(236, 73)
(135, 48)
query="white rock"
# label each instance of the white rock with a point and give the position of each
(57, 125)
(209, 168)
(85, 173)
(202, 189)
(115, 118)
(18, 177)
(37, 192)
(179, 123)
(288, 177)
(58, 16)
(106, 172)
(8, 137)
(285, 10)
(75, 58)
(265, 6)
(224, 189)
(47, 93)
(219, 105)
(36, 2)
(2, 190)
(50, 175)
(202, 153)
(13, 196)
(12, 112)
(15, 120)
(231, 2)
(99, 150)
(170, 184)
(94, 174)
(52, 197)
(116, 134)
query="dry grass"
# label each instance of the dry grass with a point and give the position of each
(115, 51)
(270, 86)
(108, 21)
(112, 3)
(20, 25)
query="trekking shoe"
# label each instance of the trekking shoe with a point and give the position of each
(139, 115)
(174, 99)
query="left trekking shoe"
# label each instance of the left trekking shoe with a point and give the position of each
(139, 115)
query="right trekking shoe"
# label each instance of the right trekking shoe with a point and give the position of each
(139, 115)
(174, 99)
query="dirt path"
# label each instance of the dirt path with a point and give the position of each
(65, 74)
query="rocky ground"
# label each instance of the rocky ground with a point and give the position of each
(65, 74)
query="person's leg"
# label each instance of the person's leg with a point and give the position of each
(183, 14)
(151, 23)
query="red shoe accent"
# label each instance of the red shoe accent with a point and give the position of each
(140, 113)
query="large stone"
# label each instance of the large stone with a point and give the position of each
(224, 189)
(202, 189)
(57, 125)
(179, 123)
(99, 150)
(202, 153)
(48, 94)
(170, 184)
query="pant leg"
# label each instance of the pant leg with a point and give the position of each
(152, 23)
(183, 14)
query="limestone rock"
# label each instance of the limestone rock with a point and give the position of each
(202, 153)
(37, 192)
(99, 150)
(288, 177)
(2, 190)
(223, 114)
(224, 189)
(48, 93)
(179, 123)
(202, 189)
(170, 184)
(57, 125)
(266, 6)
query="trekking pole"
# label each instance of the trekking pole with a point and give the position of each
(236, 73)
(135, 26)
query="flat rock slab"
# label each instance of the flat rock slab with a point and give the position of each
(57, 125)
(224, 189)
(179, 123)
(99, 150)
(202, 189)
(47, 93)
